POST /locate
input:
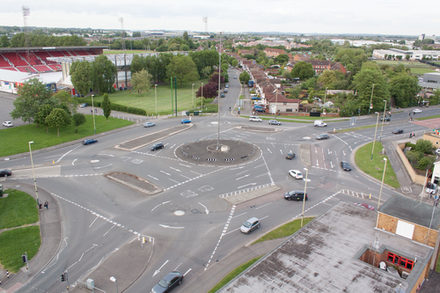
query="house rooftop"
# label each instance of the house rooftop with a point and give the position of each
(324, 256)
(416, 212)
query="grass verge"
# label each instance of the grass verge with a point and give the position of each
(18, 209)
(18, 137)
(233, 274)
(428, 117)
(14, 243)
(374, 167)
(284, 231)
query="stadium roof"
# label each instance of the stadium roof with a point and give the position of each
(25, 49)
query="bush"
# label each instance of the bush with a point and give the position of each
(410, 145)
(424, 146)
(426, 163)
(414, 156)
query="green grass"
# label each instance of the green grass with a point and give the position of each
(233, 274)
(428, 117)
(421, 71)
(375, 167)
(355, 128)
(14, 243)
(416, 67)
(18, 209)
(18, 137)
(284, 231)
(437, 267)
(185, 99)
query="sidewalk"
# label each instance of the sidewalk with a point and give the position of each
(50, 230)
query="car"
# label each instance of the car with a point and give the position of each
(235, 77)
(398, 131)
(255, 119)
(431, 188)
(290, 156)
(345, 166)
(149, 124)
(185, 121)
(417, 111)
(169, 282)
(5, 172)
(250, 225)
(365, 205)
(274, 122)
(222, 95)
(295, 195)
(387, 118)
(296, 174)
(225, 90)
(226, 85)
(319, 123)
(89, 141)
(437, 151)
(322, 136)
(157, 146)
(7, 124)
(83, 105)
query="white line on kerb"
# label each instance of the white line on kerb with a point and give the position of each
(206, 209)
(73, 162)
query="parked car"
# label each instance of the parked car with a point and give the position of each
(255, 119)
(157, 146)
(226, 85)
(5, 172)
(415, 111)
(431, 188)
(437, 151)
(398, 131)
(222, 95)
(290, 156)
(345, 166)
(274, 122)
(319, 123)
(89, 141)
(250, 225)
(169, 282)
(8, 124)
(185, 121)
(295, 195)
(296, 174)
(83, 105)
(322, 136)
(225, 90)
(149, 124)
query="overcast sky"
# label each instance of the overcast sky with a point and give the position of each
(402, 17)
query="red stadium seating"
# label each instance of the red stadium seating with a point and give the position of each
(43, 68)
(55, 67)
(26, 69)
(3, 62)
(31, 58)
(15, 59)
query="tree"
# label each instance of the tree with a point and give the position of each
(435, 99)
(363, 82)
(58, 118)
(424, 146)
(183, 68)
(78, 119)
(137, 64)
(426, 163)
(103, 74)
(209, 90)
(403, 90)
(106, 106)
(244, 77)
(80, 74)
(302, 70)
(43, 112)
(141, 81)
(332, 79)
(351, 58)
(31, 96)
(282, 59)
(65, 101)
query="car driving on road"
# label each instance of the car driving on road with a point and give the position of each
(89, 141)
(7, 124)
(274, 122)
(169, 282)
(295, 195)
(322, 136)
(157, 146)
(345, 166)
(397, 131)
(5, 172)
(185, 121)
(149, 124)
(250, 225)
(290, 155)
(296, 174)
(255, 119)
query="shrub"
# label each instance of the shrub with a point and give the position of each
(426, 163)
(414, 156)
(424, 146)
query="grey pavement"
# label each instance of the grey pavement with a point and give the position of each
(50, 229)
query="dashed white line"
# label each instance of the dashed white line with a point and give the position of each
(162, 203)
(163, 172)
(269, 150)
(93, 222)
(171, 227)
(109, 230)
(186, 273)
(158, 270)
(265, 205)
(239, 215)
(241, 177)
(153, 177)
(246, 185)
(175, 169)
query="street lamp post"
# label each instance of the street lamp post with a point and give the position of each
(304, 197)
(114, 280)
(155, 97)
(375, 132)
(192, 95)
(383, 119)
(33, 174)
(370, 107)
(201, 103)
(381, 187)
(93, 115)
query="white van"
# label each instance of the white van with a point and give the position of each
(255, 119)
(319, 123)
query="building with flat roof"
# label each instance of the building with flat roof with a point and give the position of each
(342, 251)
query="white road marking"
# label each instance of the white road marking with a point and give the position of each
(206, 209)
(236, 216)
(246, 185)
(241, 167)
(265, 217)
(65, 154)
(94, 161)
(232, 231)
(175, 181)
(108, 155)
(171, 227)
(268, 171)
(172, 146)
(175, 269)
(187, 166)
(153, 177)
(108, 165)
(93, 221)
(73, 162)
(158, 270)
(109, 230)
(269, 150)
(82, 255)
(175, 169)
(343, 152)
(186, 273)
(186, 177)
(331, 164)
(281, 151)
(165, 173)
(265, 205)
(162, 203)
(239, 178)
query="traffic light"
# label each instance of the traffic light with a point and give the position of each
(63, 277)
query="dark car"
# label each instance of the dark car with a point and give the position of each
(397, 131)
(5, 172)
(170, 281)
(295, 195)
(89, 141)
(345, 166)
(157, 146)
(387, 118)
(222, 95)
(290, 156)
(322, 136)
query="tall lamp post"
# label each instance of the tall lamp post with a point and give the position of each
(383, 119)
(33, 174)
(93, 115)
(375, 133)
(370, 107)
(192, 95)
(304, 197)
(114, 280)
(155, 97)
(381, 187)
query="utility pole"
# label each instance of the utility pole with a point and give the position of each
(175, 95)
(171, 87)
(219, 90)
(371, 100)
